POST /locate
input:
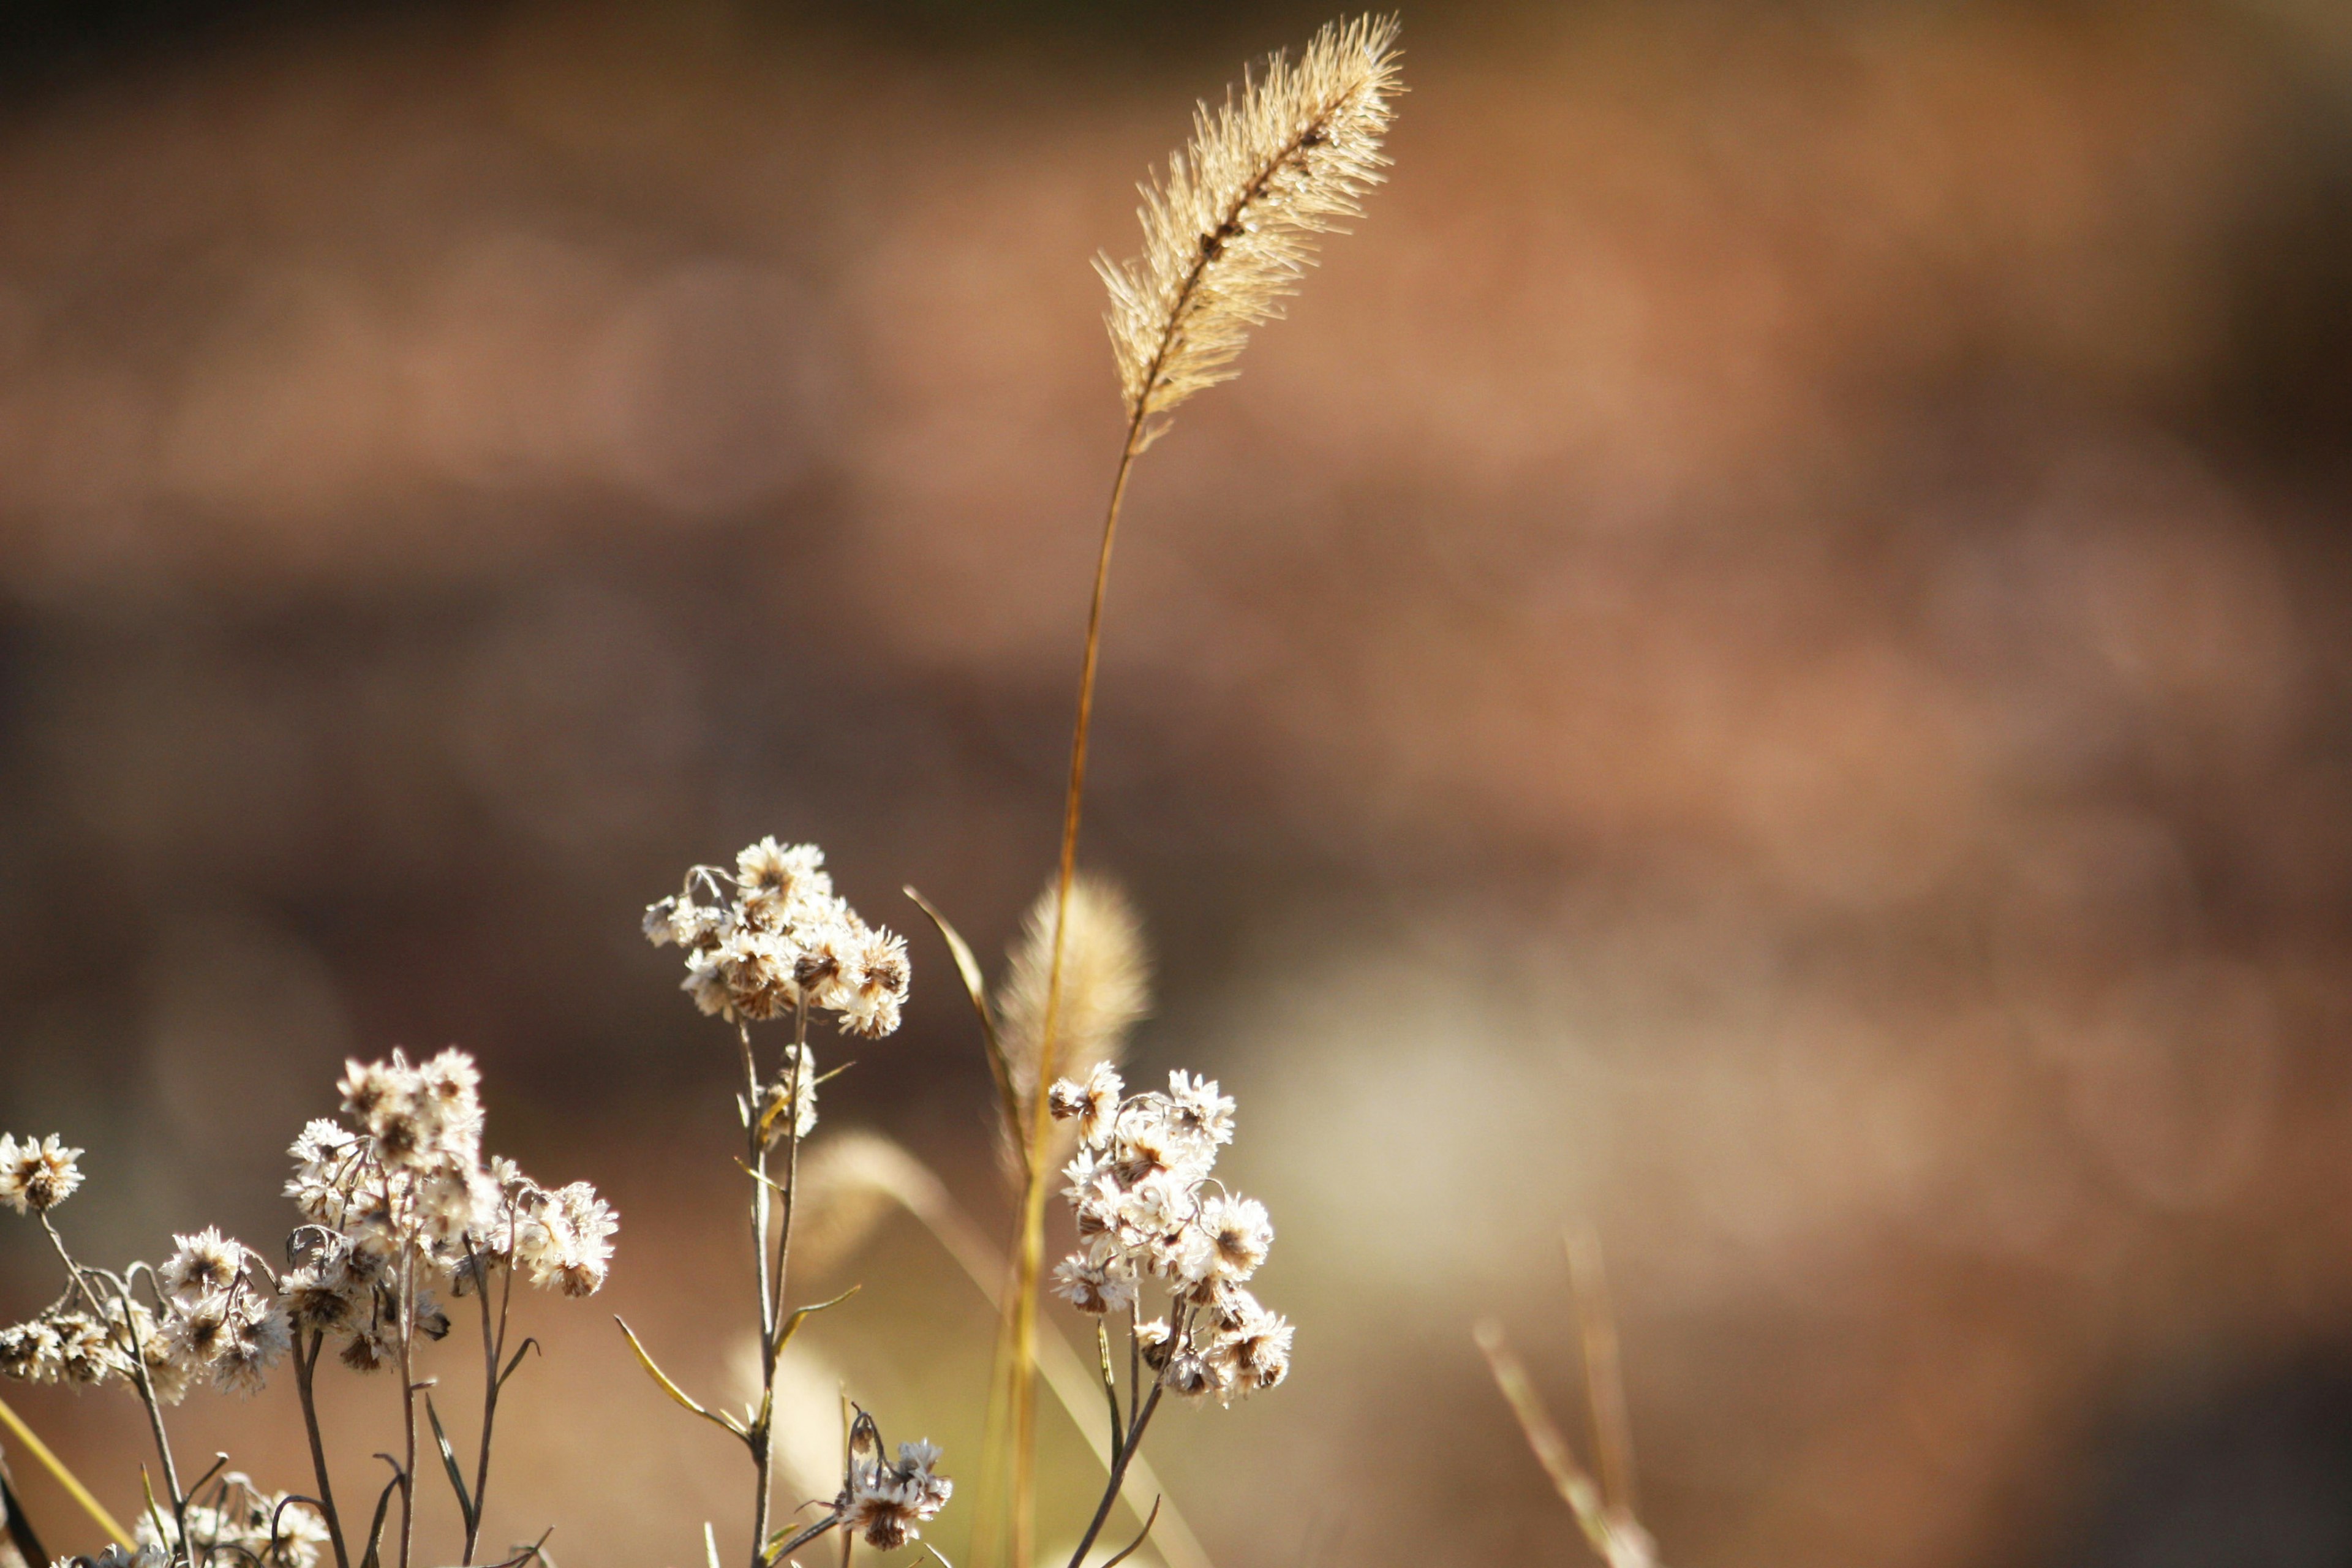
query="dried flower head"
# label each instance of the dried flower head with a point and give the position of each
(202, 1264)
(772, 937)
(882, 1501)
(1146, 1203)
(1233, 225)
(36, 1174)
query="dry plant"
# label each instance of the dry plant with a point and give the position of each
(394, 1207)
(400, 1208)
(1228, 230)
(771, 941)
(1605, 1510)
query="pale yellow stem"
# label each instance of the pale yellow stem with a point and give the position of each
(64, 1476)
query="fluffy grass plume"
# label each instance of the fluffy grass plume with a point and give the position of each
(1106, 983)
(1231, 226)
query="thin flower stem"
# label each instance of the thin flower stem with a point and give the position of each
(772, 1294)
(139, 1379)
(761, 1434)
(1117, 1477)
(795, 1543)
(407, 1400)
(306, 1365)
(494, 1344)
(791, 1113)
(1111, 1390)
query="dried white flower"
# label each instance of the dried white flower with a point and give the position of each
(32, 1352)
(1239, 1235)
(785, 942)
(257, 1339)
(202, 1264)
(1094, 1283)
(36, 1174)
(799, 1082)
(883, 1501)
(1193, 1376)
(1195, 1108)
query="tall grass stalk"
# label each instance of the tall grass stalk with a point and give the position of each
(1228, 231)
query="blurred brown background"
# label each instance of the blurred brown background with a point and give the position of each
(1762, 662)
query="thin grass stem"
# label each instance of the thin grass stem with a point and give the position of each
(65, 1478)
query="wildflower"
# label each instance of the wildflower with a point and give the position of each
(32, 1352)
(876, 981)
(372, 1347)
(1140, 1205)
(589, 1222)
(1196, 1110)
(796, 1077)
(783, 942)
(1239, 1235)
(202, 1264)
(1094, 1104)
(36, 1174)
(1193, 1376)
(1145, 1145)
(117, 1556)
(706, 982)
(1257, 1349)
(1093, 1284)
(257, 1339)
(86, 1350)
(778, 884)
(883, 1502)
(828, 953)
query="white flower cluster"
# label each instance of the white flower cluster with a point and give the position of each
(413, 1186)
(37, 1174)
(772, 937)
(86, 1350)
(118, 1556)
(883, 1501)
(247, 1524)
(1138, 1188)
(221, 1317)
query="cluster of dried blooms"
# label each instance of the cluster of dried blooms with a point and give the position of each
(401, 1202)
(882, 1499)
(396, 1205)
(772, 938)
(1138, 1191)
(772, 941)
(241, 1524)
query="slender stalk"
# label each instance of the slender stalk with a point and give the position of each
(494, 1347)
(1022, 1387)
(407, 1403)
(796, 1542)
(139, 1379)
(1117, 1477)
(1111, 1390)
(63, 1477)
(306, 1365)
(771, 1290)
(791, 1150)
(1603, 1373)
(761, 1436)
